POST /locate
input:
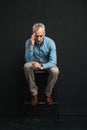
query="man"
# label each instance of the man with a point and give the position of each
(40, 54)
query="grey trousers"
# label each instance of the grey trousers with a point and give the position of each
(52, 78)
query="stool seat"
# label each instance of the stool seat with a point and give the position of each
(40, 71)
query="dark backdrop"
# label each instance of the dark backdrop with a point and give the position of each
(66, 23)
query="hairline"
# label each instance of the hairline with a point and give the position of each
(36, 26)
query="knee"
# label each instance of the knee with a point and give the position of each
(54, 71)
(27, 66)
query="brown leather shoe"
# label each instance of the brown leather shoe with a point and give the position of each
(34, 100)
(49, 100)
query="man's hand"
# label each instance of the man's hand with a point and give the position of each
(36, 66)
(32, 41)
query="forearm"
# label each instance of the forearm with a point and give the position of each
(49, 65)
(28, 51)
(28, 55)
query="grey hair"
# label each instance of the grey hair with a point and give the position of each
(38, 25)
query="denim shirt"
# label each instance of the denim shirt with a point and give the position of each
(44, 53)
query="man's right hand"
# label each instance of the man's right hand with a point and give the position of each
(32, 41)
(36, 65)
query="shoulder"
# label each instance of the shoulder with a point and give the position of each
(49, 42)
(48, 39)
(27, 41)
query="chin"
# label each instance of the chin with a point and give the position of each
(39, 43)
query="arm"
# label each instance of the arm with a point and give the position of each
(29, 55)
(52, 61)
(29, 48)
(28, 52)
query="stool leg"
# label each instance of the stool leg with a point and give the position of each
(55, 103)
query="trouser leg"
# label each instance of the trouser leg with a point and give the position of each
(29, 74)
(52, 78)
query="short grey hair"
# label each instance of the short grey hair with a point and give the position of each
(38, 25)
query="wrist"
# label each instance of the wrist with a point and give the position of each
(31, 47)
(41, 67)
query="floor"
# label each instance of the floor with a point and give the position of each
(38, 123)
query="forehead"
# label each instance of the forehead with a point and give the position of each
(39, 31)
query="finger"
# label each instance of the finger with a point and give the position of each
(33, 36)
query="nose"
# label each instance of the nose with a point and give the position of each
(38, 38)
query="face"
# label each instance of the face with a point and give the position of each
(39, 35)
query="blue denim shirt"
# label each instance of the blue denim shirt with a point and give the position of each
(44, 53)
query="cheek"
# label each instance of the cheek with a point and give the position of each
(42, 38)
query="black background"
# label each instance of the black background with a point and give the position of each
(66, 24)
